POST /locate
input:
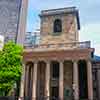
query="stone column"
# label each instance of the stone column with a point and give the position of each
(26, 79)
(90, 80)
(61, 80)
(34, 81)
(22, 84)
(75, 81)
(47, 87)
(98, 80)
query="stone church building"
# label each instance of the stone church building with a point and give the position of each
(59, 68)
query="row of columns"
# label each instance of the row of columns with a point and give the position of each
(61, 80)
(89, 80)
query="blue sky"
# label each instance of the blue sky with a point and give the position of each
(89, 11)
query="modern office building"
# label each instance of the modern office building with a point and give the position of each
(60, 67)
(13, 19)
(31, 39)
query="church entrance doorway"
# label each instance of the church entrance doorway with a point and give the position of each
(54, 86)
(83, 88)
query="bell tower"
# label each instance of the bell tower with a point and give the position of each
(59, 25)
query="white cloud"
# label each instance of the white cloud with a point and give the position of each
(91, 32)
(48, 4)
(89, 16)
(97, 51)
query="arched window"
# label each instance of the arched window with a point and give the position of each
(57, 25)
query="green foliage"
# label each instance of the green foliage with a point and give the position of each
(10, 66)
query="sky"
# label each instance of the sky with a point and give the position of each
(89, 12)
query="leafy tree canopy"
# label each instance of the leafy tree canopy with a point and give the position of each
(10, 66)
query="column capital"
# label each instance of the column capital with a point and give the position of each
(23, 62)
(27, 67)
(23, 66)
(35, 62)
(47, 61)
(61, 61)
(75, 60)
(88, 60)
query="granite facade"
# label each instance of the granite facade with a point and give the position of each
(9, 18)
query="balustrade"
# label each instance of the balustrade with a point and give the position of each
(81, 45)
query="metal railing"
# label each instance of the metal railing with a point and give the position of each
(81, 45)
(37, 98)
(51, 98)
(45, 98)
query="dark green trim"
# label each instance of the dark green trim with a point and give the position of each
(56, 34)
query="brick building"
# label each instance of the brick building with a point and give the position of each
(13, 19)
(60, 66)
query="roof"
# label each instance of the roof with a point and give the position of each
(67, 10)
(96, 58)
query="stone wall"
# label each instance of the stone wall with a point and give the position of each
(68, 72)
(68, 79)
(69, 29)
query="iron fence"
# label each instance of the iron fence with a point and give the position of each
(37, 98)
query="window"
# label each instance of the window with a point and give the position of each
(57, 25)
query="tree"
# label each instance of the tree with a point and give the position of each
(10, 67)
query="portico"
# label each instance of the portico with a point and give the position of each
(48, 73)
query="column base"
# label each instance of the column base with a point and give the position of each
(33, 98)
(21, 98)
